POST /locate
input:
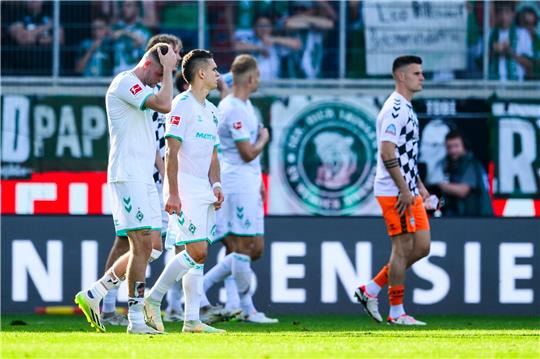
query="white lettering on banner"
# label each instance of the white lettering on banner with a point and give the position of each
(44, 127)
(78, 198)
(27, 193)
(517, 167)
(26, 262)
(473, 271)
(89, 263)
(93, 128)
(436, 275)
(67, 134)
(335, 263)
(281, 271)
(509, 272)
(15, 129)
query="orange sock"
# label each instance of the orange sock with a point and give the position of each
(382, 277)
(395, 294)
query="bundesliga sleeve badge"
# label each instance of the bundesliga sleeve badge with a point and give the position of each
(237, 125)
(135, 89)
(175, 120)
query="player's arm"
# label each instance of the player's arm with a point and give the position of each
(172, 203)
(391, 163)
(162, 100)
(249, 151)
(215, 178)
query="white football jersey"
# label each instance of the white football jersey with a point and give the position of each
(238, 122)
(133, 146)
(397, 123)
(195, 125)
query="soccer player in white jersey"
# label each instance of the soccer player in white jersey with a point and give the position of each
(241, 221)
(400, 192)
(192, 188)
(134, 199)
(121, 244)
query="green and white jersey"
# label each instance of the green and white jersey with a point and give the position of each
(238, 123)
(195, 125)
(132, 140)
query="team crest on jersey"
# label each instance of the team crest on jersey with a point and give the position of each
(175, 120)
(391, 130)
(329, 157)
(135, 89)
(237, 125)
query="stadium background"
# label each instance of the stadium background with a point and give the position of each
(322, 237)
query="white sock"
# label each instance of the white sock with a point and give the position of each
(174, 270)
(135, 310)
(174, 298)
(100, 288)
(109, 301)
(397, 310)
(204, 299)
(233, 300)
(193, 288)
(373, 288)
(219, 272)
(241, 269)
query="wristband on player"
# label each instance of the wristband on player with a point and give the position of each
(217, 185)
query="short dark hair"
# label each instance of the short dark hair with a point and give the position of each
(193, 61)
(164, 38)
(452, 135)
(404, 61)
(499, 6)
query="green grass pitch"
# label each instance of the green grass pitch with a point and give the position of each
(322, 336)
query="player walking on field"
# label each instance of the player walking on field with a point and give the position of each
(400, 192)
(134, 198)
(192, 189)
(241, 221)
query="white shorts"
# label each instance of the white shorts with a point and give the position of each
(242, 214)
(197, 218)
(134, 206)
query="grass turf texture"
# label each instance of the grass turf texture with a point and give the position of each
(295, 336)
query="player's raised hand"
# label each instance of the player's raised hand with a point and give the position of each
(167, 57)
(404, 202)
(173, 204)
(220, 198)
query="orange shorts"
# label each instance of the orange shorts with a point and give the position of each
(415, 219)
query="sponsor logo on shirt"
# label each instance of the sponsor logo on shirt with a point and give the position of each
(237, 125)
(175, 120)
(391, 130)
(135, 89)
(205, 136)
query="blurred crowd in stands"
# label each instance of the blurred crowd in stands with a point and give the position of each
(290, 39)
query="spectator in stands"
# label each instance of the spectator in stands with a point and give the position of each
(510, 46)
(180, 18)
(528, 19)
(466, 187)
(96, 54)
(265, 47)
(130, 37)
(32, 34)
(310, 19)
